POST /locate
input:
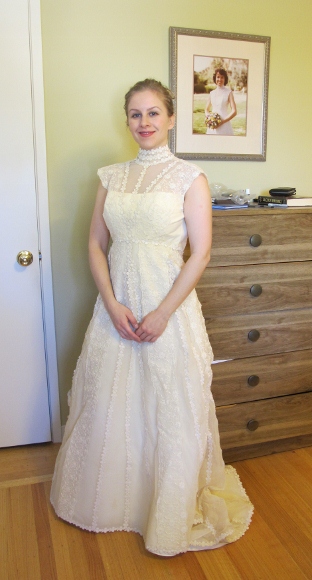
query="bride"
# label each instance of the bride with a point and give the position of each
(141, 449)
(221, 101)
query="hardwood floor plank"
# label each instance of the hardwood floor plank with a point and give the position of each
(4, 526)
(281, 493)
(308, 451)
(124, 556)
(60, 544)
(27, 461)
(112, 566)
(217, 564)
(190, 567)
(260, 554)
(25, 481)
(76, 551)
(296, 477)
(163, 568)
(298, 471)
(44, 539)
(120, 555)
(23, 552)
(78, 555)
(95, 562)
(284, 527)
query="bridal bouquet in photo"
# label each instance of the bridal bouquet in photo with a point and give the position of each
(213, 120)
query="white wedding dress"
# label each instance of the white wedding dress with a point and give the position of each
(220, 104)
(141, 447)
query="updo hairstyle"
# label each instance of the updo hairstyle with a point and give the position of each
(151, 85)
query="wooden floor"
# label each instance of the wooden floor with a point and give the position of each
(36, 545)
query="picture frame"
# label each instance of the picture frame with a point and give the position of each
(194, 56)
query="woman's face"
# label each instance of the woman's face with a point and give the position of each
(219, 80)
(148, 119)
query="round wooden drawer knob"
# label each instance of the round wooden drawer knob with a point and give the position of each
(256, 290)
(255, 240)
(253, 380)
(253, 335)
(252, 425)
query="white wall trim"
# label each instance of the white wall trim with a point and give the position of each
(43, 214)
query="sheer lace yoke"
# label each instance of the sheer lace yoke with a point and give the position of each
(140, 179)
(156, 170)
(147, 170)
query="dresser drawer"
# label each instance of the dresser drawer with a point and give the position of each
(279, 418)
(285, 236)
(236, 336)
(246, 289)
(262, 377)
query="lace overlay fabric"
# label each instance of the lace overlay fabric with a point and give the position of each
(141, 448)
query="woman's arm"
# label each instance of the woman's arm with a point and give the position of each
(198, 212)
(208, 105)
(120, 315)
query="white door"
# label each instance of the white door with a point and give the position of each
(24, 402)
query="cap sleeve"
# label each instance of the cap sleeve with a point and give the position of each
(105, 174)
(190, 172)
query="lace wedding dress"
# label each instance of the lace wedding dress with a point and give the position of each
(220, 104)
(141, 447)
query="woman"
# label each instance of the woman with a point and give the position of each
(219, 101)
(141, 446)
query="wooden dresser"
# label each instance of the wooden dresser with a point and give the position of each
(256, 296)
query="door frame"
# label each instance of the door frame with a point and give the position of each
(40, 170)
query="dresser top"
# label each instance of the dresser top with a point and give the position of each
(261, 210)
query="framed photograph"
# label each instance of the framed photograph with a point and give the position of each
(220, 82)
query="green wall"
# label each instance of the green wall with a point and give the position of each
(92, 52)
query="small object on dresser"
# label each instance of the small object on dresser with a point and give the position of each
(299, 202)
(227, 204)
(282, 191)
(241, 196)
(269, 200)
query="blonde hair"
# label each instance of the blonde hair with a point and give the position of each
(151, 85)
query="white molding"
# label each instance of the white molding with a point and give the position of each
(43, 214)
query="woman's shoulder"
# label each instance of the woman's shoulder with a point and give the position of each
(189, 167)
(115, 167)
(107, 172)
(185, 173)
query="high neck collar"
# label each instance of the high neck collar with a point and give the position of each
(154, 156)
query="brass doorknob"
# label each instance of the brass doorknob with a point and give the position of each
(24, 258)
